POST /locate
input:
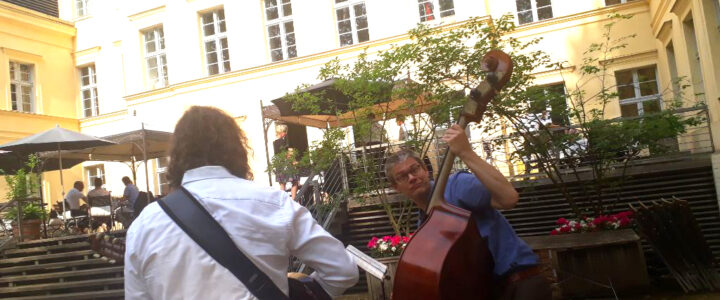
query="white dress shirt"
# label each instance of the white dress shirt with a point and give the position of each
(73, 197)
(162, 262)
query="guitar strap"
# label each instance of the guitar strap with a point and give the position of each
(197, 223)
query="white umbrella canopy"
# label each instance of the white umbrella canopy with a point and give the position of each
(55, 139)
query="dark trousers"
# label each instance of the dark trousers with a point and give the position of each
(531, 288)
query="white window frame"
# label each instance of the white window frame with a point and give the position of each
(17, 84)
(534, 10)
(159, 171)
(91, 87)
(81, 7)
(158, 56)
(217, 38)
(280, 22)
(434, 4)
(350, 5)
(638, 99)
(98, 171)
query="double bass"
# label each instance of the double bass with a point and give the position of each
(446, 257)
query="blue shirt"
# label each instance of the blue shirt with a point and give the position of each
(131, 193)
(509, 252)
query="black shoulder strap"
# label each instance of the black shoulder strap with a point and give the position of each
(189, 214)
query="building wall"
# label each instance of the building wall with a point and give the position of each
(46, 43)
(110, 37)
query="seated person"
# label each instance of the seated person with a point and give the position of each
(131, 192)
(72, 199)
(98, 191)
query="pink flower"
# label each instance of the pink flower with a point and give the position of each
(394, 241)
(561, 221)
(372, 243)
(386, 238)
(624, 221)
(406, 239)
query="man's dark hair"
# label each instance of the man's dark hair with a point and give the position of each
(126, 180)
(397, 158)
(207, 136)
(97, 182)
(78, 185)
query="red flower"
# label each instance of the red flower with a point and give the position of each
(554, 232)
(372, 243)
(386, 238)
(565, 229)
(394, 241)
(406, 239)
(624, 221)
(562, 221)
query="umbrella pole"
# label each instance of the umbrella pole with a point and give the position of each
(147, 180)
(62, 183)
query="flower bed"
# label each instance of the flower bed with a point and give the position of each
(388, 245)
(590, 224)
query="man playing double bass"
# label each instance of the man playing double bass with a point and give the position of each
(481, 192)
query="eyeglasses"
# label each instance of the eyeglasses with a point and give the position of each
(415, 170)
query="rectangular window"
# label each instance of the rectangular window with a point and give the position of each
(548, 106)
(529, 11)
(163, 183)
(96, 171)
(638, 91)
(613, 2)
(217, 55)
(428, 12)
(80, 8)
(88, 91)
(352, 22)
(155, 60)
(21, 87)
(280, 28)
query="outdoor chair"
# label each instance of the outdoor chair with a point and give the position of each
(100, 209)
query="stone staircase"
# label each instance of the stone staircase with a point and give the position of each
(58, 268)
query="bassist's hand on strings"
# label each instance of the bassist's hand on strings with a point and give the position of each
(457, 140)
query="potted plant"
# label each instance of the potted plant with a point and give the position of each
(387, 251)
(21, 186)
(32, 217)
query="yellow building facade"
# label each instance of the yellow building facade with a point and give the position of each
(153, 59)
(37, 80)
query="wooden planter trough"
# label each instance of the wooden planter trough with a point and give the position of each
(592, 264)
(375, 285)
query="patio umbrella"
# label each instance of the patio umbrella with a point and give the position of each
(142, 143)
(55, 139)
(11, 162)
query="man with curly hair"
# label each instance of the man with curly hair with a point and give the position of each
(209, 158)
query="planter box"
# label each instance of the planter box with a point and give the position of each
(376, 286)
(589, 264)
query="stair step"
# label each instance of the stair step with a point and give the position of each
(23, 259)
(53, 241)
(46, 249)
(118, 294)
(58, 275)
(61, 285)
(49, 266)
